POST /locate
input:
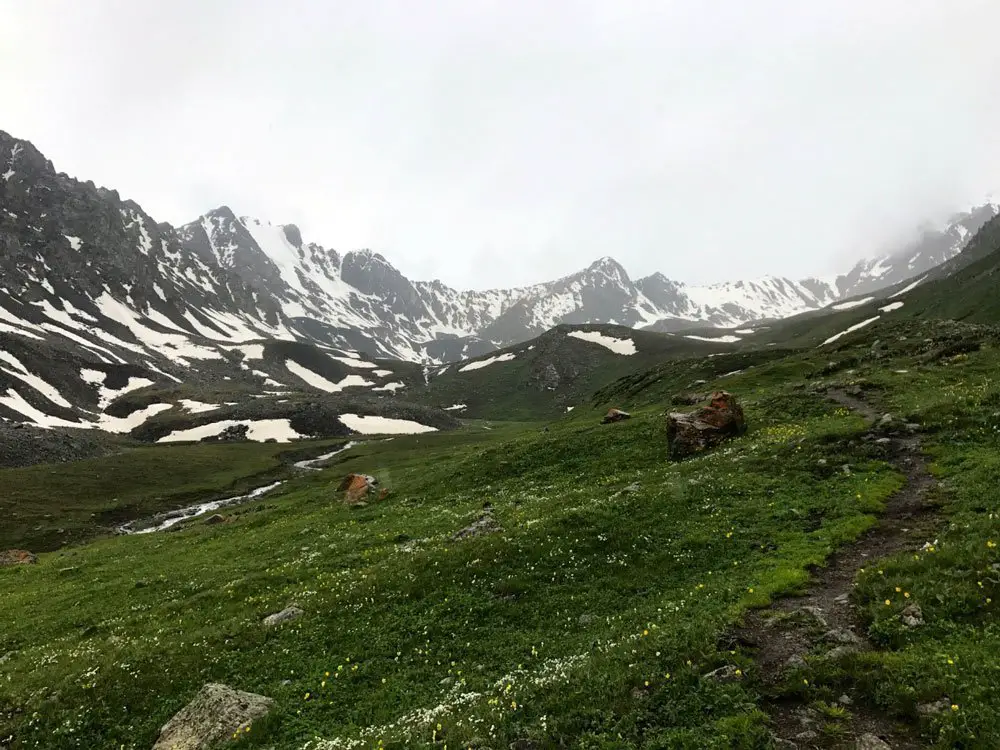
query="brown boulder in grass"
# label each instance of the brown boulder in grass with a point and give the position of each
(615, 415)
(16, 557)
(706, 428)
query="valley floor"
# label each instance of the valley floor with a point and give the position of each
(626, 601)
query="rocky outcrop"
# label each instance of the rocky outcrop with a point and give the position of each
(288, 613)
(721, 420)
(615, 415)
(214, 716)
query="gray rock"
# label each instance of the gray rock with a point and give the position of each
(934, 707)
(214, 519)
(912, 426)
(871, 742)
(807, 736)
(845, 700)
(795, 661)
(215, 714)
(843, 599)
(841, 635)
(585, 619)
(839, 652)
(485, 524)
(883, 441)
(288, 613)
(817, 614)
(727, 673)
(912, 616)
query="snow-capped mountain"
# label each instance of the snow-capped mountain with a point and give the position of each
(87, 269)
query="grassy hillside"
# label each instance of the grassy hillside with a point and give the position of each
(591, 620)
(540, 378)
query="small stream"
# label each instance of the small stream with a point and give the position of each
(163, 521)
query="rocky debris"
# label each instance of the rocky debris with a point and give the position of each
(871, 742)
(843, 599)
(838, 653)
(214, 519)
(615, 415)
(843, 636)
(485, 524)
(708, 427)
(912, 616)
(10, 557)
(728, 673)
(795, 662)
(213, 717)
(237, 433)
(845, 700)
(934, 707)
(358, 489)
(817, 614)
(288, 613)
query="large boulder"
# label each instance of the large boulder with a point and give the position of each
(358, 489)
(213, 717)
(693, 433)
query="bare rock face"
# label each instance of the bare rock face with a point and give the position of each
(706, 428)
(213, 717)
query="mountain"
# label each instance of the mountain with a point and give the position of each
(98, 299)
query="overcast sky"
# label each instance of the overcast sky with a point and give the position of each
(491, 143)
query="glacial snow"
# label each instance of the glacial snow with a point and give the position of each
(318, 381)
(260, 430)
(855, 327)
(890, 307)
(851, 303)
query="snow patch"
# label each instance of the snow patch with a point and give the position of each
(260, 430)
(618, 346)
(455, 407)
(853, 328)
(486, 362)
(890, 307)
(318, 381)
(728, 339)
(371, 425)
(197, 407)
(395, 386)
(850, 304)
(908, 288)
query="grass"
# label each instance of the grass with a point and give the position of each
(48, 506)
(590, 621)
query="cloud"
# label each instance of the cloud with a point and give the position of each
(495, 143)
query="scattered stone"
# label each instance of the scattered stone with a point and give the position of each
(728, 673)
(912, 616)
(795, 662)
(871, 742)
(822, 462)
(817, 614)
(845, 700)
(288, 613)
(447, 681)
(708, 427)
(807, 736)
(485, 524)
(835, 654)
(216, 713)
(883, 440)
(615, 415)
(912, 427)
(843, 599)
(846, 468)
(214, 519)
(782, 744)
(10, 557)
(842, 635)
(286, 683)
(585, 619)
(934, 707)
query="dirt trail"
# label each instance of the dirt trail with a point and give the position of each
(824, 619)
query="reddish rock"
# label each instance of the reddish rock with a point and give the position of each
(360, 488)
(706, 428)
(16, 557)
(615, 415)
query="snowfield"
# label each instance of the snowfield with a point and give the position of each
(260, 430)
(908, 288)
(890, 307)
(618, 346)
(197, 407)
(318, 381)
(480, 364)
(369, 425)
